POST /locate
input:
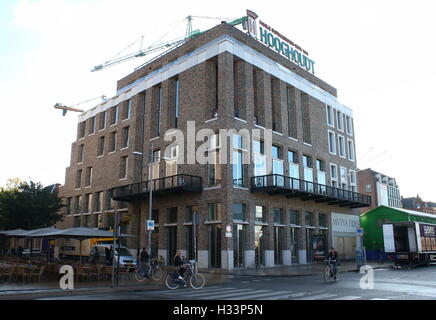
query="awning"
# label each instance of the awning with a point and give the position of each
(80, 233)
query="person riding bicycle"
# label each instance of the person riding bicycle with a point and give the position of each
(178, 262)
(144, 259)
(332, 257)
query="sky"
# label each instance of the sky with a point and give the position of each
(380, 55)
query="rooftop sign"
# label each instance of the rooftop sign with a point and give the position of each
(276, 41)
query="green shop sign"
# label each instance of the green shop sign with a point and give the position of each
(286, 50)
(276, 41)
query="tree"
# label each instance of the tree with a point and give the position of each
(29, 206)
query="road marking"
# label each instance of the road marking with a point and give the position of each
(378, 299)
(227, 295)
(216, 292)
(271, 295)
(348, 298)
(319, 296)
(189, 291)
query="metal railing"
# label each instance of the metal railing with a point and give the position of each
(177, 182)
(292, 184)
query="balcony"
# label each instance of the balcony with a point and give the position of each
(168, 185)
(275, 184)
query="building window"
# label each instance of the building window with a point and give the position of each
(124, 163)
(78, 204)
(239, 211)
(339, 122)
(279, 239)
(332, 142)
(172, 215)
(176, 103)
(295, 217)
(190, 210)
(82, 128)
(127, 109)
(112, 141)
(98, 201)
(237, 165)
(100, 150)
(341, 146)
(102, 121)
(292, 117)
(259, 215)
(125, 142)
(258, 147)
(334, 175)
(113, 115)
(307, 161)
(87, 203)
(158, 110)
(88, 177)
(322, 220)
(367, 188)
(80, 153)
(308, 219)
(78, 178)
(213, 167)
(91, 129)
(214, 211)
(350, 145)
(278, 216)
(68, 203)
(344, 178)
(330, 117)
(349, 125)
(277, 165)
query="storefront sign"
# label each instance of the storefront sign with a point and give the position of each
(345, 223)
(428, 237)
(276, 41)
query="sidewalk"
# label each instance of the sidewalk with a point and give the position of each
(295, 270)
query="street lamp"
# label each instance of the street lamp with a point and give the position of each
(150, 188)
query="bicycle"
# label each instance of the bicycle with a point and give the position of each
(191, 277)
(329, 274)
(151, 269)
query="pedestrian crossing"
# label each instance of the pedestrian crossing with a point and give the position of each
(232, 293)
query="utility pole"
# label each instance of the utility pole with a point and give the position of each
(150, 200)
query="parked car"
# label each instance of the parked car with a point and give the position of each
(35, 251)
(126, 258)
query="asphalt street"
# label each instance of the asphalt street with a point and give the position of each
(404, 284)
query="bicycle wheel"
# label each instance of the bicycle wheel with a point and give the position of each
(197, 281)
(170, 283)
(140, 274)
(156, 274)
(327, 274)
(337, 274)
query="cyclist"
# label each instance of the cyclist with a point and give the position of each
(332, 257)
(144, 260)
(178, 262)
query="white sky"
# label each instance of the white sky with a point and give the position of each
(380, 55)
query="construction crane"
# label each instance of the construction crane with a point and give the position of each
(70, 108)
(168, 45)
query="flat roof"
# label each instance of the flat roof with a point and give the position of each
(411, 212)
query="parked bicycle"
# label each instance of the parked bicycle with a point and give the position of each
(150, 270)
(191, 277)
(330, 273)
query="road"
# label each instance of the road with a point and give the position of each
(389, 284)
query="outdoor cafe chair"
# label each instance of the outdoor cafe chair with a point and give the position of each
(105, 272)
(81, 272)
(20, 272)
(37, 272)
(6, 272)
(94, 272)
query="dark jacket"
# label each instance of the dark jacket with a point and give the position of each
(332, 256)
(144, 256)
(178, 261)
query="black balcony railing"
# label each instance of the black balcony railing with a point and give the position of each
(173, 184)
(306, 190)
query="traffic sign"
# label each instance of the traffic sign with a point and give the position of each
(228, 234)
(359, 231)
(228, 228)
(150, 225)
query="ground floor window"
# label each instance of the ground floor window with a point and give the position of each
(295, 244)
(172, 244)
(259, 245)
(278, 245)
(215, 245)
(309, 244)
(238, 245)
(191, 238)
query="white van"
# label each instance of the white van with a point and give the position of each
(126, 258)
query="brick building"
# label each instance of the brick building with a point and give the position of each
(417, 204)
(300, 184)
(383, 189)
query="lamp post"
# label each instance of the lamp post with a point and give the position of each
(152, 160)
